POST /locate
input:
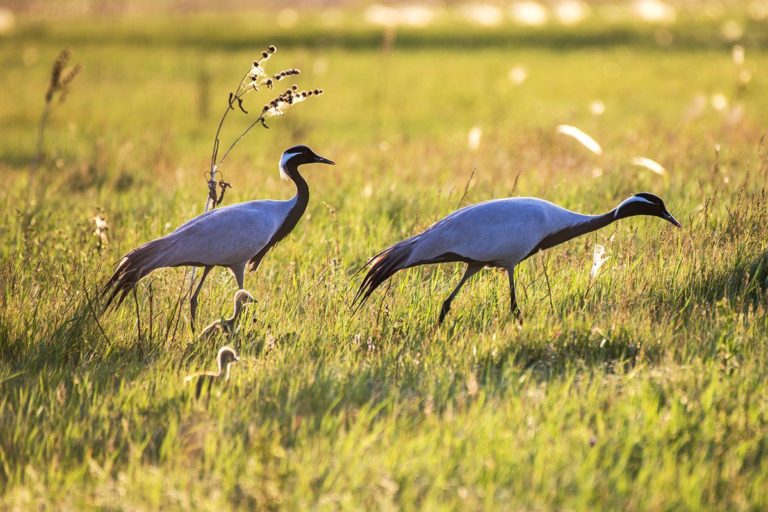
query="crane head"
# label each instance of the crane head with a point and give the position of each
(243, 297)
(295, 156)
(644, 203)
(227, 355)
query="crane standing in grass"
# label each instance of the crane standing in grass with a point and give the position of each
(233, 236)
(498, 233)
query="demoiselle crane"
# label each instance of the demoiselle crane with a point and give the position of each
(227, 325)
(498, 233)
(232, 236)
(224, 358)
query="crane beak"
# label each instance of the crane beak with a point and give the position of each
(668, 216)
(320, 160)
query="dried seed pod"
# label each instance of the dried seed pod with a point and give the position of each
(70, 75)
(60, 79)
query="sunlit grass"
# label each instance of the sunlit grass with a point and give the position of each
(640, 387)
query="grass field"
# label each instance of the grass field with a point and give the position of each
(645, 387)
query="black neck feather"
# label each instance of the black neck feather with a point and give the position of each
(295, 213)
(574, 230)
(298, 209)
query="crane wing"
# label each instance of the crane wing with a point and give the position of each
(225, 236)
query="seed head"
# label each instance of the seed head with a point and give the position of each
(59, 78)
(266, 54)
(285, 73)
(279, 105)
(256, 72)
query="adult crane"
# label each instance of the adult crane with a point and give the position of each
(498, 233)
(232, 236)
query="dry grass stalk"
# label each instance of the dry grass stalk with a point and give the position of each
(254, 80)
(61, 78)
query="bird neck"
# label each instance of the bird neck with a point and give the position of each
(301, 200)
(585, 224)
(236, 313)
(223, 370)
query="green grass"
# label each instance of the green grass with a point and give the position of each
(644, 388)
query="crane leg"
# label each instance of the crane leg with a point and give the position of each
(512, 296)
(471, 270)
(193, 299)
(239, 272)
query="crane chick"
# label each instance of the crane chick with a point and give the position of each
(224, 359)
(227, 325)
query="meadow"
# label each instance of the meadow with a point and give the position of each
(643, 387)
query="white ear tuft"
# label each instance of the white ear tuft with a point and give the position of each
(284, 161)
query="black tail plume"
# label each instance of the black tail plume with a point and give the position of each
(383, 266)
(132, 267)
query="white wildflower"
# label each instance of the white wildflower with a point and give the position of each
(599, 256)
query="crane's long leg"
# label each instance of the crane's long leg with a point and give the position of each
(471, 270)
(193, 299)
(512, 297)
(239, 273)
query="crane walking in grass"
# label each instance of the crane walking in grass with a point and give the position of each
(498, 233)
(227, 325)
(224, 358)
(233, 236)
